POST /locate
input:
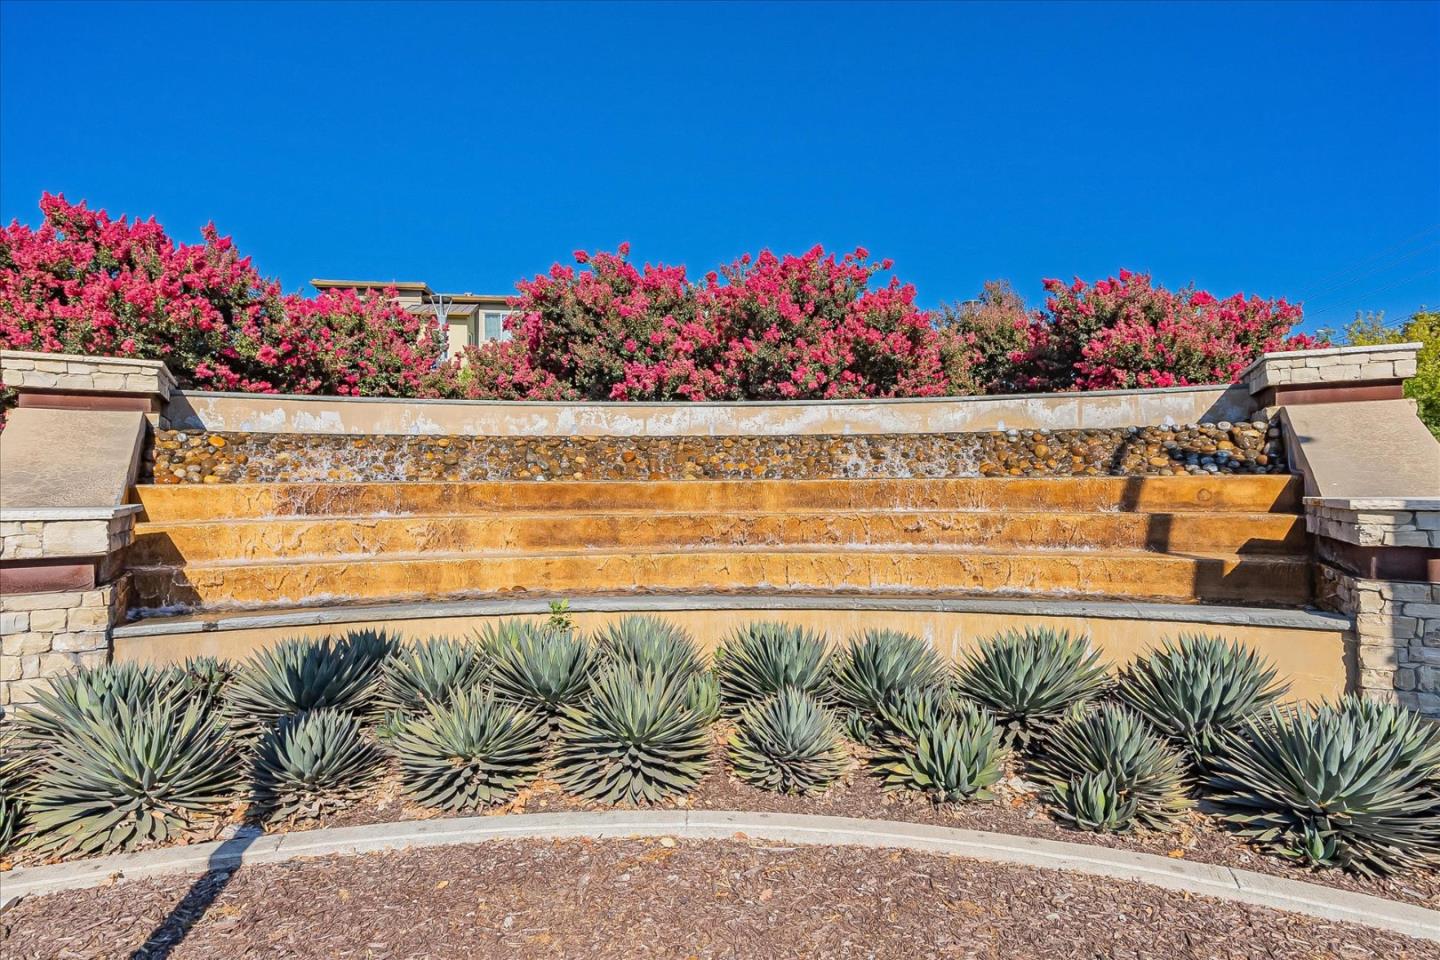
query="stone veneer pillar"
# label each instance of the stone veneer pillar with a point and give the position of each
(1372, 504)
(69, 453)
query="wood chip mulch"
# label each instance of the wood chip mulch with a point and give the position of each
(663, 898)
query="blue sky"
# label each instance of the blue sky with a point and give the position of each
(1289, 149)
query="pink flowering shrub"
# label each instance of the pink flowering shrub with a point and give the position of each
(806, 327)
(84, 283)
(984, 340)
(1123, 333)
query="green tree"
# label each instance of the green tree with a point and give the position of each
(1424, 328)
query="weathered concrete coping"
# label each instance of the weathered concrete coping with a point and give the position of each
(270, 413)
(29, 514)
(253, 849)
(1103, 609)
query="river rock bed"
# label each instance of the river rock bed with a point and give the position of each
(190, 456)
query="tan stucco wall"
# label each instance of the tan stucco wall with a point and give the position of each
(1313, 660)
(258, 413)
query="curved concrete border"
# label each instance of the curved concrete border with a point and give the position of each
(1200, 878)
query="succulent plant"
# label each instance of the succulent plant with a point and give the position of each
(16, 762)
(1096, 802)
(760, 659)
(703, 692)
(859, 727)
(542, 668)
(953, 756)
(93, 693)
(1197, 690)
(905, 714)
(879, 665)
(296, 676)
(642, 641)
(1028, 678)
(205, 679)
(470, 751)
(430, 672)
(789, 743)
(1351, 784)
(136, 775)
(1139, 765)
(634, 739)
(311, 763)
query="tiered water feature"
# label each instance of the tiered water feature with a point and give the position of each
(250, 535)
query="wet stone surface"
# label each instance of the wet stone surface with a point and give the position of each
(188, 456)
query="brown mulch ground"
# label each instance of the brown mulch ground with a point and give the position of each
(663, 898)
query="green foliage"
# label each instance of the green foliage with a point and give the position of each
(1198, 690)
(880, 665)
(762, 658)
(470, 751)
(702, 691)
(650, 642)
(954, 754)
(312, 763)
(205, 679)
(635, 739)
(1423, 328)
(1354, 784)
(1028, 678)
(1097, 802)
(788, 743)
(430, 672)
(1137, 765)
(560, 617)
(136, 775)
(296, 676)
(16, 763)
(94, 693)
(538, 667)
(859, 728)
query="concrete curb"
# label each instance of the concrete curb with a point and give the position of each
(1224, 883)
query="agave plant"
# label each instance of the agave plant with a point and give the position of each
(954, 756)
(204, 679)
(1096, 802)
(761, 659)
(880, 665)
(1138, 765)
(15, 774)
(1351, 784)
(1197, 690)
(430, 672)
(861, 729)
(93, 693)
(905, 714)
(311, 763)
(789, 743)
(634, 739)
(650, 642)
(702, 691)
(469, 752)
(136, 775)
(542, 668)
(1028, 678)
(296, 676)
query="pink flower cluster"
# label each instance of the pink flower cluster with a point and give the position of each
(1126, 332)
(768, 327)
(85, 283)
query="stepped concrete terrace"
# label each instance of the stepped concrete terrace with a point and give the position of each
(1175, 539)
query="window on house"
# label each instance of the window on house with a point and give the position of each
(495, 325)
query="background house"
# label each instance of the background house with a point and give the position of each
(470, 318)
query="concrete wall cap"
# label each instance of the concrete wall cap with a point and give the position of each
(1374, 503)
(30, 514)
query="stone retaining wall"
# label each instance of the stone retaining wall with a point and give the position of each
(49, 634)
(198, 457)
(62, 372)
(1397, 635)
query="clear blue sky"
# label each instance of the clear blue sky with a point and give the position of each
(1289, 149)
